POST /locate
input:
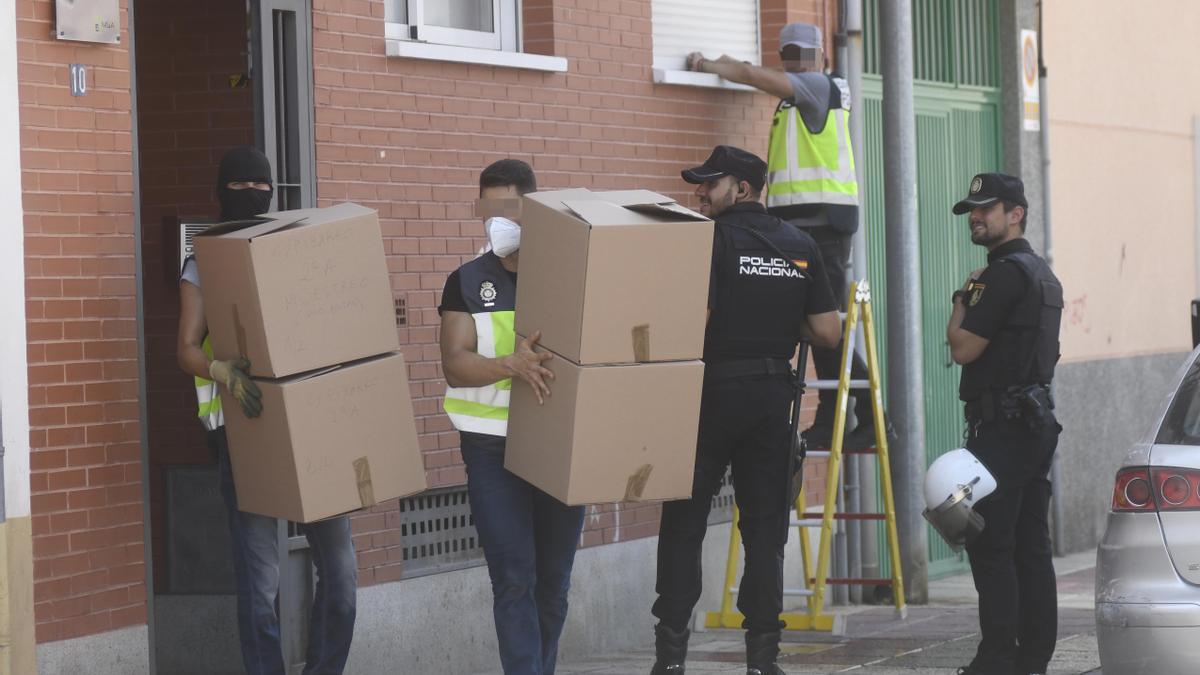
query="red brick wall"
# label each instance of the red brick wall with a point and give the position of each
(188, 116)
(404, 136)
(80, 288)
(409, 137)
(777, 13)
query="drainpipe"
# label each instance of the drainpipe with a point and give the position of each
(867, 502)
(1056, 504)
(905, 360)
(849, 66)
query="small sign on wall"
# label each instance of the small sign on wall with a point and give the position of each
(88, 20)
(1029, 81)
(79, 84)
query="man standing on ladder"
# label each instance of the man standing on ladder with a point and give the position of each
(767, 291)
(811, 183)
(1004, 330)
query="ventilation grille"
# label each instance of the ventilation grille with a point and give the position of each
(401, 312)
(187, 231)
(438, 533)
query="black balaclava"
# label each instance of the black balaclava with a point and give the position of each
(244, 163)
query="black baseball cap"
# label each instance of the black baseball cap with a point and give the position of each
(988, 188)
(727, 160)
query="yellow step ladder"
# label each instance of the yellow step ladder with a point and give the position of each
(814, 586)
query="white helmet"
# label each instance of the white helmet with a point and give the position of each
(954, 483)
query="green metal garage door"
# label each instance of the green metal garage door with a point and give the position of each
(957, 96)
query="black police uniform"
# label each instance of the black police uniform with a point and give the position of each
(1016, 304)
(759, 303)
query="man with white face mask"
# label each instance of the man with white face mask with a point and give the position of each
(504, 237)
(528, 537)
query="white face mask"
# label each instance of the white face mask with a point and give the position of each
(504, 235)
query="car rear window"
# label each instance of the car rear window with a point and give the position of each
(1181, 426)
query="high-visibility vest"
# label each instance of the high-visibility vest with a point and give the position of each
(491, 297)
(208, 397)
(812, 168)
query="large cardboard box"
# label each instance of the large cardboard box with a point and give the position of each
(614, 277)
(299, 290)
(608, 433)
(327, 442)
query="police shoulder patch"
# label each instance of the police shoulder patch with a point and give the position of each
(976, 292)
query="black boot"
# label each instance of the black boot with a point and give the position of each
(670, 649)
(762, 649)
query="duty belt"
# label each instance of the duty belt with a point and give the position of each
(1011, 403)
(729, 370)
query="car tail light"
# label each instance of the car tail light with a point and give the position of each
(1132, 491)
(1156, 488)
(1176, 489)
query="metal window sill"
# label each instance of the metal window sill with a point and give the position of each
(690, 78)
(488, 57)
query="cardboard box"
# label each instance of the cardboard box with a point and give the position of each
(298, 291)
(608, 433)
(327, 442)
(614, 277)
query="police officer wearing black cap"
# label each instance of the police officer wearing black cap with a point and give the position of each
(768, 290)
(1004, 330)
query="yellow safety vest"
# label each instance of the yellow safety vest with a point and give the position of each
(491, 298)
(808, 168)
(208, 397)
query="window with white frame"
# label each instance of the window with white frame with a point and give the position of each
(714, 27)
(477, 24)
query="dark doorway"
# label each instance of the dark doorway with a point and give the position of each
(210, 76)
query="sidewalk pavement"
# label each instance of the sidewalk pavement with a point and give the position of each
(935, 639)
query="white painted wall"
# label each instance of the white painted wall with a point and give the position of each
(1124, 92)
(14, 378)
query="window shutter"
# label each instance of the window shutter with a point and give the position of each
(714, 27)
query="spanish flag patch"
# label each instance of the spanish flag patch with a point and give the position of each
(976, 292)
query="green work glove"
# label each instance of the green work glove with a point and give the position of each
(233, 375)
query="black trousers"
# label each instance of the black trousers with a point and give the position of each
(743, 422)
(835, 252)
(1011, 560)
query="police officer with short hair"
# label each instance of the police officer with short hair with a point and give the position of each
(768, 290)
(1004, 330)
(528, 537)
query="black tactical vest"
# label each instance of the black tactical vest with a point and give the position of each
(760, 298)
(1025, 350)
(487, 286)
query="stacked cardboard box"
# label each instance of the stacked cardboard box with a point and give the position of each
(305, 296)
(617, 282)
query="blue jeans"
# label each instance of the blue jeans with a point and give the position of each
(256, 568)
(529, 540)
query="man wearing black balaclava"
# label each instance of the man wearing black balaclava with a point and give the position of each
(244, 189)
(244, 185)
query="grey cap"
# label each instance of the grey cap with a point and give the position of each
(800, 34)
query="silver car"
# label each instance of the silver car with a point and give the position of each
(1148, 563)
